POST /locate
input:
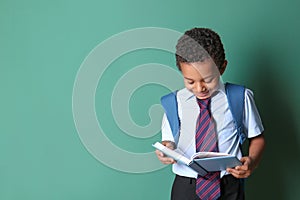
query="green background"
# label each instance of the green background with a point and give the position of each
(42, 45)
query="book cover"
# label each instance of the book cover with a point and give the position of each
(201, 162)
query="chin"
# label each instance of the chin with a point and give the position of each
(201, 96)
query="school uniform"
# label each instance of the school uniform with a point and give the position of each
(228, 140)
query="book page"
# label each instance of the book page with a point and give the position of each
(208, 154)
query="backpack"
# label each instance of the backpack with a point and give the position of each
(235, 96)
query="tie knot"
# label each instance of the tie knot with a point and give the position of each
(203, 103)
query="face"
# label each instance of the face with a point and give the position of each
(201, 78)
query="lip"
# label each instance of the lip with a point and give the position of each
(202, 94)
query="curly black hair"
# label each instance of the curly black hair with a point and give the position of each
(198, 44)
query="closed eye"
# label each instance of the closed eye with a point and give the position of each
(189, 81)
(208, 80)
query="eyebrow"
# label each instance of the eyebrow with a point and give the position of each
(211, 76)
(189, 78)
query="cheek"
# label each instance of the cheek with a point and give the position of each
(188, 86)
(212, 86)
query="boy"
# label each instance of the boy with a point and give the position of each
(200, 57)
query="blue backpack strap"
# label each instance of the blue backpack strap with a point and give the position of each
(169, 103)
(235, 95)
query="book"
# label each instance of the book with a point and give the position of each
(201, 162)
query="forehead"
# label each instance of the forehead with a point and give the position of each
(199, 70)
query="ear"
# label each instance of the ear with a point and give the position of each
(223, 67)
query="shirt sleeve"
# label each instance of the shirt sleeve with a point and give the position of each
(252, 121)
(166, 131)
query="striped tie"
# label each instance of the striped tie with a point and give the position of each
(207, 187)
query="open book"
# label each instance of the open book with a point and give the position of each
(201, 162)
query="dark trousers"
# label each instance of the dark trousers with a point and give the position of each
(184, 188)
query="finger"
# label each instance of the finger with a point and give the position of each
(237, 173)
(168, 144)
(242, 167)
(159, 153)
(163, 158)
(166, 160)
(245, 160)
(165, 143)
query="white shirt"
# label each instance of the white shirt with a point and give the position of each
(228, 141)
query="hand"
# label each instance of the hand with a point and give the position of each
(162, 157)
(242, 171)
(256, 148)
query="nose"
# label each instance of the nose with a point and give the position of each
(200, 87)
